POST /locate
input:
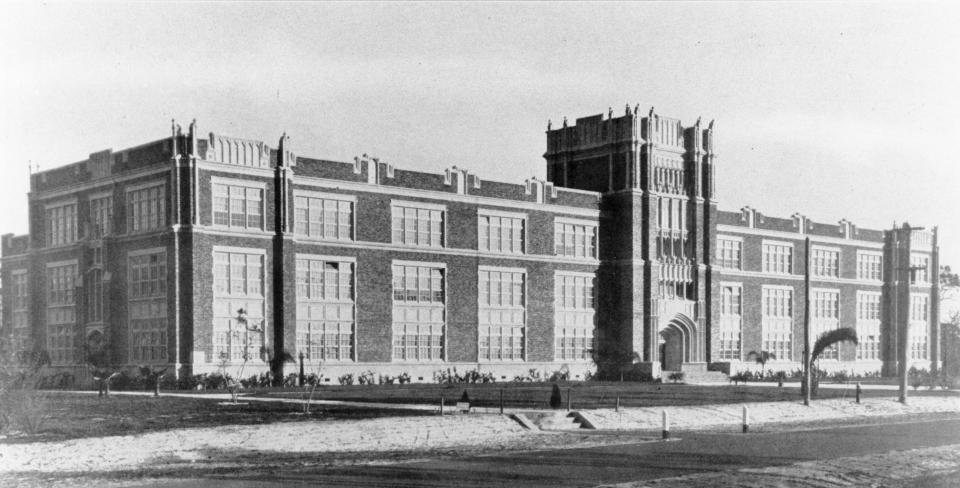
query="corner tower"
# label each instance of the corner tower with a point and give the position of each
(656, 236)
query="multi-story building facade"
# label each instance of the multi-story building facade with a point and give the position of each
(204, 253)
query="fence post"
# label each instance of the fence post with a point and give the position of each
(858, 392)
(569, 395)
(501, 401)
(441, 405)
(618, 403)
(746, 419)
(666, 425)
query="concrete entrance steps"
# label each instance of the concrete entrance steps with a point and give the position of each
(699, 377)
(561, 421)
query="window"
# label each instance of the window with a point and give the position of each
(731, 321)
(826, 262)
(575, 310)
(502, 314)
(868, 325)
(238, 284)
(61, 224)
(672, 213)
(146, 209)
(417, 224)
(237, 206)
(20, 311)
(729, 253)
(575, 239)
(418, 312)
(323, 217)
(501, 234)
(777, 321)
(777, 258)
(918, 326)
(325, 308)
(61, 312)
(101, 216)
(147, 293)
(95, 295)
(921, 266)
(826, 317)
(869, 266)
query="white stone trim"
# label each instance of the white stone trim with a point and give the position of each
(424, 264)
(145, 185)
(488, 212)
(60, 203)
(220, 180)
(418, 205)
(323, 195)
(485, 267)
(726, 237)
(240, 250)
(324, 257)
(144, 252)
(798, 237)
(66, 262)
(557, 219)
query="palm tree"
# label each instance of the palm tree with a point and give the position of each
(761, 358)
(828, 339)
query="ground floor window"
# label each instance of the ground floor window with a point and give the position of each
(574, 343)
(233, 341)
(325, 331)
(417, 342)
(148, 330)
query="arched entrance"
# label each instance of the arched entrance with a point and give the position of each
(677, 343)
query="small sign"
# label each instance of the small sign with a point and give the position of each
(463, 406)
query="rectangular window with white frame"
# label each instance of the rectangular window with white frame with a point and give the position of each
(325, 307)
(417, 224)
(146, 208)
(419, 311)
(147, 305)
(20, 310)
(777, 257)
(869, 265)
(868, 325)
(238, 277)
(730, 252)
(61, 312)
(919, 326)
(503, 313)
(501, 232)
(575, 310)
(61, 223)
(238, 204)
(777, 321)
(325, 216)
(826, 317)
(731, 321)
(920, 269)
(825, 262)
(101, 216)
(575, 238)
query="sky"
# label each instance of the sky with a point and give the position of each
(834, 110)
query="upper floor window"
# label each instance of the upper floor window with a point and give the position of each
(575, 239)
(237, 206)
(417, 224)
(61, 223)
(869, 266)
(146, 209)
(101, 216)
(920, 265)
(777, 258)
(501, 233)
(729, 253)
(826, 262)
(323, 216)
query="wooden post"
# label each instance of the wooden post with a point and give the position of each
(441, 405)
(501, 401)
(569, 395)
(746, 419)
(858, 392)
(618, 403)
(666, 425)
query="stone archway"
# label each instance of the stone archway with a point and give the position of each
(678, 342)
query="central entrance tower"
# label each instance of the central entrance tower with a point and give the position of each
(656, 236)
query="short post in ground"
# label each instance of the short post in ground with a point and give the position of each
(858, 392)
(617, 408)
(441, 405)
(569, 398)
(666, 425)
(501, 401)
(746, 419)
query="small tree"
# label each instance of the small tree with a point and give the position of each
(233, 384)
(828, 339)
(153, 377)
(556, 399)
(761, 358)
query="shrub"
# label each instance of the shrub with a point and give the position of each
(465, 398)
(840, 377)
(556, 399)
(346, 379)
(23, 410)
(312, 379)
(741, 377)
(562, 374)
(386, 379)
(403, 378)
(677, 376)
(216, 381)
(367, 378)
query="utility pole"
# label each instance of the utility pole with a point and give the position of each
(806, 322)
(901, 274)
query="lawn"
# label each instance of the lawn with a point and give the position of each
(585, 395)
(66, 415)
